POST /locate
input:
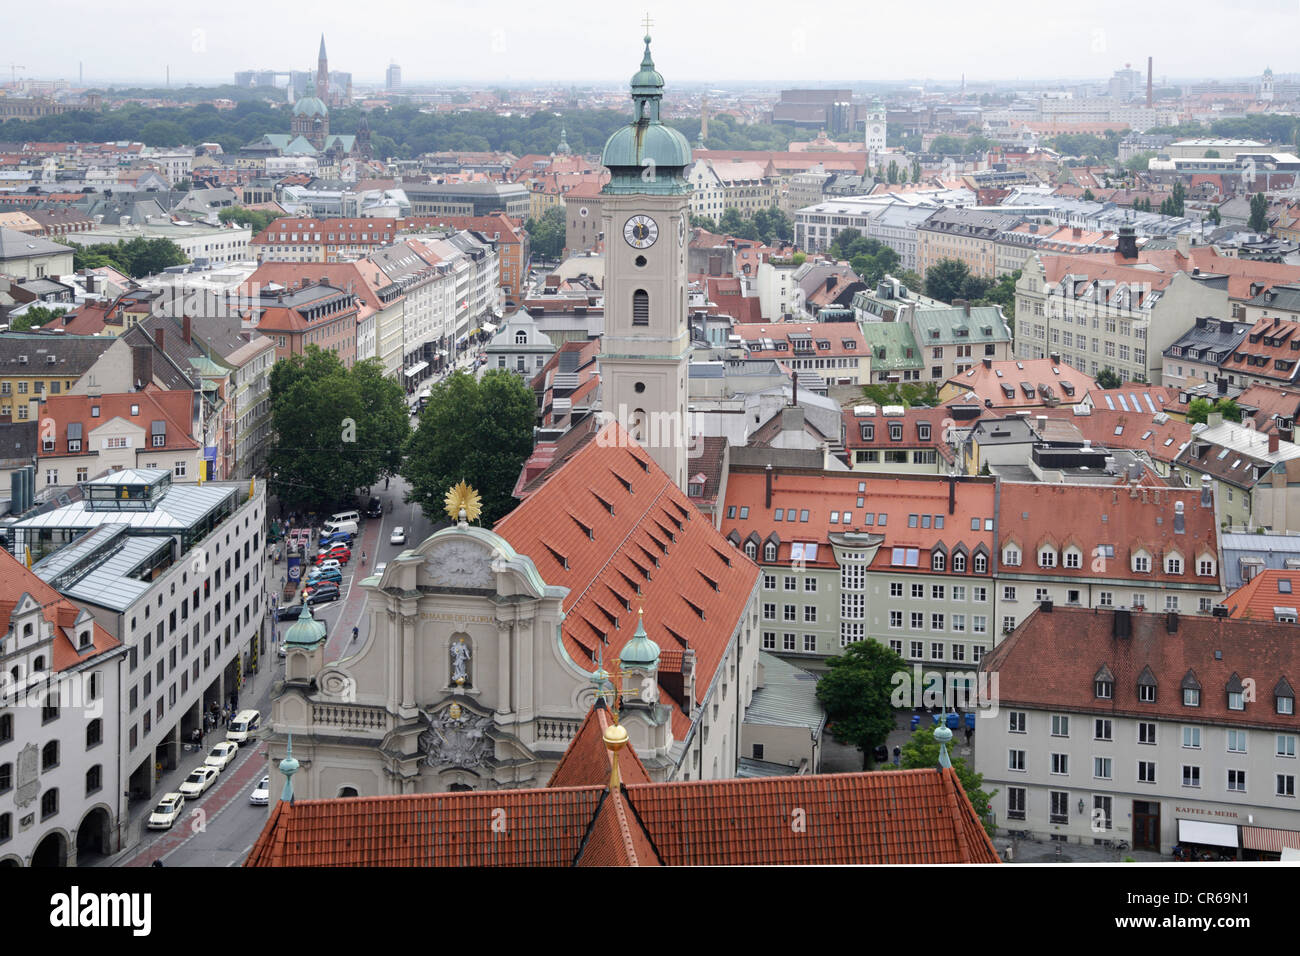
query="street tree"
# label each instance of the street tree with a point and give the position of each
(921, 752)
(856, 693)
(1258, 214)
(1107, 378)
(480, 432)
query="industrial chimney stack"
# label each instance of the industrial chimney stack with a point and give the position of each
(1149, 94)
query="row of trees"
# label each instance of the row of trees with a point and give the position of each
(258, 219)
(136, 258)
(34, 318)
(950, 279)
(769, 226)
(870, 258)
(401, 131)
(339, 430)
(336, 429)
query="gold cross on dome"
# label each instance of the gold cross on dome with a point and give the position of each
(647, 22)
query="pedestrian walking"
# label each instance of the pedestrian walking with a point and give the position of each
(969, 731)
(385, 484)
(355, 631)
(897, 756)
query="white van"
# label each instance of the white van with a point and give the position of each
(242, 727)
(348, 526)
(345, 516)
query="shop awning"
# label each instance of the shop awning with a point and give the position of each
(416, 369)
(1264, 838)
(489, 327)
(1207, 834)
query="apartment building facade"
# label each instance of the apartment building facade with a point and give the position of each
(1140, 726)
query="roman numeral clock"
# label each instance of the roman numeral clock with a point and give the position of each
(640, 232)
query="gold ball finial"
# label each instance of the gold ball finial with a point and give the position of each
(615, 738)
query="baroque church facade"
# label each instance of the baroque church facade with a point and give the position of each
(486, 649)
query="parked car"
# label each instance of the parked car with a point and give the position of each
(198, 781)
(399, 536)
(261, 794)
(326, 591)
(880, 754)
(337, 537)
(375, 509)
(339, 552)
(288, 612)
(329, 563)
(221, 755)
(168, 811)
(324, 574)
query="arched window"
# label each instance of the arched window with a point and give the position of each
(751, 550)
(936, 561)
(50, 755)
(640, 307)
(49, 803)
(39, 663)
(94, 779)
(959, 563)
(521, 337)
(94, 733)
(6, 727)
(348, 792)
(981, 564)
(769, 552)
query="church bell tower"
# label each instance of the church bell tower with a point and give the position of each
(646, 346)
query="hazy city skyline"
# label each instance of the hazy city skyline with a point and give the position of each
(511, 43)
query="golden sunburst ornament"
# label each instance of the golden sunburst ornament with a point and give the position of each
(463, 498)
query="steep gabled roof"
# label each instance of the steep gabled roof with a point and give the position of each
(609, 515)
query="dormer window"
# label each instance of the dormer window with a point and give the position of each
(959, 563)
(1073, 558)
(1173, 564)
(1205, 567)
(1147, 686)
(1142, 562)
(1284, 698)
(1103, 684)
(521, 337)
(937, 561)
(1011, 557)
(868, 432)
(769, 551)
(1047, 558)
(751, 550)
(1236, 693)
(895, 432)
(923, 431)
(1191, 690)
(981, 564)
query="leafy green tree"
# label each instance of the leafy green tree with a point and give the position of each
(1200, 408)
(1003, 293)
(1211, 154)
(33, 318)
(799, 258)
(856, 692)
(907, 394)
(1107, 378)
(476, 431)
(1258, 213)
(891, 173)
(1089, 195)
(1173, 206)
(335, 430)
(546, 235)
(256, 219)
(1139, 162)
(944, 279)
(921, 752)
(947, 146)
(1214, 216)
(916, 170)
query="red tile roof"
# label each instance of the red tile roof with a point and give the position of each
(1241, 273)
(587, 761)
(1271, 349)
(1272, 402)
(1269, 589)
(855, 435)
(1127, 520)
(612, 527)
(899, 816)
(1138, 431)
(987, 380)
(16, 580)
(837, 335)
(888, 500)
(1052, 660)
(175, 407)
(891, 816)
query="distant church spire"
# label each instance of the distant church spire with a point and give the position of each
(322, 73)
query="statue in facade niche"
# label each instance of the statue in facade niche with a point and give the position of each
(460, 655)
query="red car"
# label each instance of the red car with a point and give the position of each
(339, 552)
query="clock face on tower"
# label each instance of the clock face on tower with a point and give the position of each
(640, 232)
(681, 231)
(875, 130)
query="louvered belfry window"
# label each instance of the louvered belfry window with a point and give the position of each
(640, 307)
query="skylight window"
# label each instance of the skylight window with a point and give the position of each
(1283, 585)
(1224, 454)
(1147, 434)
(1119, 429)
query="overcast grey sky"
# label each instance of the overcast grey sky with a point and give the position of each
(763, 41)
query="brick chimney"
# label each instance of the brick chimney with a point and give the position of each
(186, 328)
(1273, 438)
(158, 338)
